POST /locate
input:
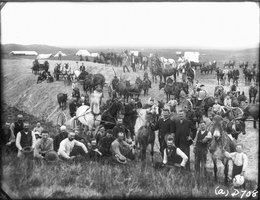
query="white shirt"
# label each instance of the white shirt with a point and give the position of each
(66, 147)
(178, 152)
(18, 140)
(239, 159)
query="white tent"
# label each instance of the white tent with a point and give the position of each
(94, 55)
(44, 56)
(24, 53)
(83, 53)
(60, 54)
(135, 53)
(192, 56)
(178, 53)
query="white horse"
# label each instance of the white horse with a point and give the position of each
(88, 115)
(142, 116)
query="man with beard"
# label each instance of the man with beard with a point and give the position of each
(130, 117)
(66, 150)
(120, 127)
(24, 138)
(165, 127)
(61, 136)
(185, 132)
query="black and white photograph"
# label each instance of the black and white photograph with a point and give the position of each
(129, 100)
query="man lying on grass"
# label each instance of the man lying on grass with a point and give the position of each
(70, 148)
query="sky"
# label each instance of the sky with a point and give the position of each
(215, 25)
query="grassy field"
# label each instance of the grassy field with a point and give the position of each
(21, 94)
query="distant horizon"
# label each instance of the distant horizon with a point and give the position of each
(135, 47)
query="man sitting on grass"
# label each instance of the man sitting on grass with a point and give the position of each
(121, 150)
(43, 145)
(67, 150)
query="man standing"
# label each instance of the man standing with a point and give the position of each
(130, 117)
(202, 140)
(125, 62)
(185, 132)
(165, 127)
(82, 67)
(43, 145)
(17, 126)
(66, 149)
(24, 138)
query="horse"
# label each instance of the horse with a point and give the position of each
(62, 99)
(144, 134)
(195, 64)
(134, 89)
(221, 142)
(121, 89)
(252, 93)
(90, 115)
(110, 115)
(220, 75)
(253, 111)
(155, 70)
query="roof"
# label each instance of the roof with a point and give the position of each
(44, 56)
(83, 53)
(60, 53)
(26, 53)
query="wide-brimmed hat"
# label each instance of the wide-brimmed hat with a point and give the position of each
(51, 156)
(122, 161)
(238, 180)
(27, 150)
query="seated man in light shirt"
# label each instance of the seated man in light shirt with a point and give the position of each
(43, 145)
(67, 151)
(173, 156)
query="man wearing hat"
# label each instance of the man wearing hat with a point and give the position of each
(66, 148)
(43, 145)
(58, 138)
(24, 138)
(165, 127)
(185, 132)
(17, 126)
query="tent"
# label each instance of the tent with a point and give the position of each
(94, 55)
(83, 53)
(135, 53)
(24, 53)
(192, 56)
(44, 56)
(60, 54)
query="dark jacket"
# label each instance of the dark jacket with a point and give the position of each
(105, 144)
(57, 140)
(182, 131)
(164, 127)
(5, 136)
(119, 128)
(17, 128)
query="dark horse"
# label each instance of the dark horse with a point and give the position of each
(110, 116)
(145, 136)
(62, 99)
(221, 142)
(253, 111)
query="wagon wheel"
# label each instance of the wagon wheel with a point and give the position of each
(61, 119)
